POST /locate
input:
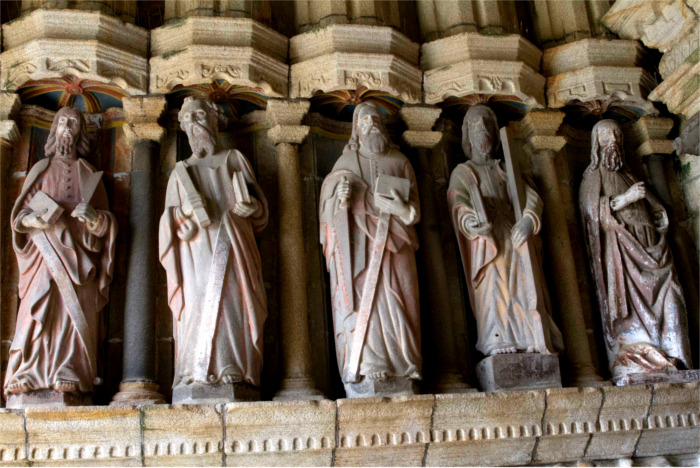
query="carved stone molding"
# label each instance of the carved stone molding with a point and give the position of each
(48, 58)
(222, 32)
(10, 104)
(206, 63)
(420, 120)
(681, 90)
(489, 77)
(684, 52)
(341, 70)
(591, 52)
(69, 24)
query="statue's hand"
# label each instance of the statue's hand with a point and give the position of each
(393, 204)
(522, 231)
(633, 194)
(85, 213)
(244, 209)
(34, 221)
(186, 227)
(344, 190)
(472, 225)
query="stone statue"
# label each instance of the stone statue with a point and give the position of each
(64, 238)
(640, 298)
(369, 203)
(511, 313)
(213, 209)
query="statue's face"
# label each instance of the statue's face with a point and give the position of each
(606, 136)
(479, 124)
(199, 123)
(610, 148)
(67, 131)
(371, 134)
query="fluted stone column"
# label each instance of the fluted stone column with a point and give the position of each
(542, 146)
(9, 135)
(287, 133)
(138, 385)
(447, 378)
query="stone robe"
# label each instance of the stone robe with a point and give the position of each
(638, 292)
(48, 346)
(238, 340)
(494, 269)
(392, 342)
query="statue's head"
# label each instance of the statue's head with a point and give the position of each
(480, 137)
(368, 131)
(199, 119)
(68, 135)
(606, 145)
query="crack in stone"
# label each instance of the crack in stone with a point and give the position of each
(142, 433)
(641, 431)
(337, 435)
(542, 429)
(223, 435)
(26, 439)
(597, 426)
(430, 431)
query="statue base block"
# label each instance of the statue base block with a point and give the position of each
(647, 378)
(519, 371)
(198, 393)
(46, 397)
(389, 387)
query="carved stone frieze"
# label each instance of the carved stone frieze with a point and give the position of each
(48, 58)
(485, 77)
(205, 63)
(223, 32)
(681, 90)
(341, 70)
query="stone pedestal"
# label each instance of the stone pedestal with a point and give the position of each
(202, 394)
(521, 371)
(648, 378)
(389, 387)
(47, 398)
(137, 394)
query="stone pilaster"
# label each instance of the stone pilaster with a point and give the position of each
(439, 318)
(138, 385)
(542, 146)
(287, 133)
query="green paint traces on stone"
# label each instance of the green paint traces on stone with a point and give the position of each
(690, 87)
(684, 171)
(694, 57)
(171, 53)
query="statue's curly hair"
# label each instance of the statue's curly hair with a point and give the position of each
(82, 145)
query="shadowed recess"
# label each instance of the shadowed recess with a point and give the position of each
(341, 104)
(234, 100)
(585, 114)
(89, 96)
(506, 107)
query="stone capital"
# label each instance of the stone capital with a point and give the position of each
(650, 134)
(539, 130)
(420, 117)
(144, 109)
(422, 139)
(9, 131)
(143, 131)
(10, 105)
(285, 113)
(292, 134)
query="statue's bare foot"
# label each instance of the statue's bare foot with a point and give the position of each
(66, 386)
(508, 350)
(19, 387)
(231, 378)
(531, 349)
(415, 375)
(381, 375)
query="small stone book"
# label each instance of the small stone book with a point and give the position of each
(240, 187)
(386, 183)
(40, 202)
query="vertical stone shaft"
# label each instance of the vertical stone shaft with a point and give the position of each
(556, 240)
(5, 160)
(294, 332)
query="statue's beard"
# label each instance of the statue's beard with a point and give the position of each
(611, 157)
(481, 143)
(202, 141)
(375, 142)
(65, 144)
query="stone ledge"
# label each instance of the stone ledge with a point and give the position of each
(565, 425)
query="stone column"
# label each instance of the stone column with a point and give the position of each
(138, 385)
(420, 121)
(542, 145)
(287, 133)
(10, 105)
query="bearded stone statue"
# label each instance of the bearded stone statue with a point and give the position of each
(639, 296)
(64, 236)
(213, 209)
(369, 204)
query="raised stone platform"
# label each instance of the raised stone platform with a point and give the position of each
(47, 398)
(201, 394)
(389, 387)
(647, 378)
(519, 371)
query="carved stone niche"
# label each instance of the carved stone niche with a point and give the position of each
(46, 44)
(201, 49)
(470, 63)
(590, 68)
(345, 56)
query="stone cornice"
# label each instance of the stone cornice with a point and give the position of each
(513, 428)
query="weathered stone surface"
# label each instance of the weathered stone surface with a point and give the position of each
(673, 406)
(87, 433)
(291, 433)
(648, 378)
(485, 428)
(591, 52)
(391, 386)
(569, 420)
(182, 435)
(620, 422)
(383, 431)
(518, 371)
(12, 439)
(47, 398)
